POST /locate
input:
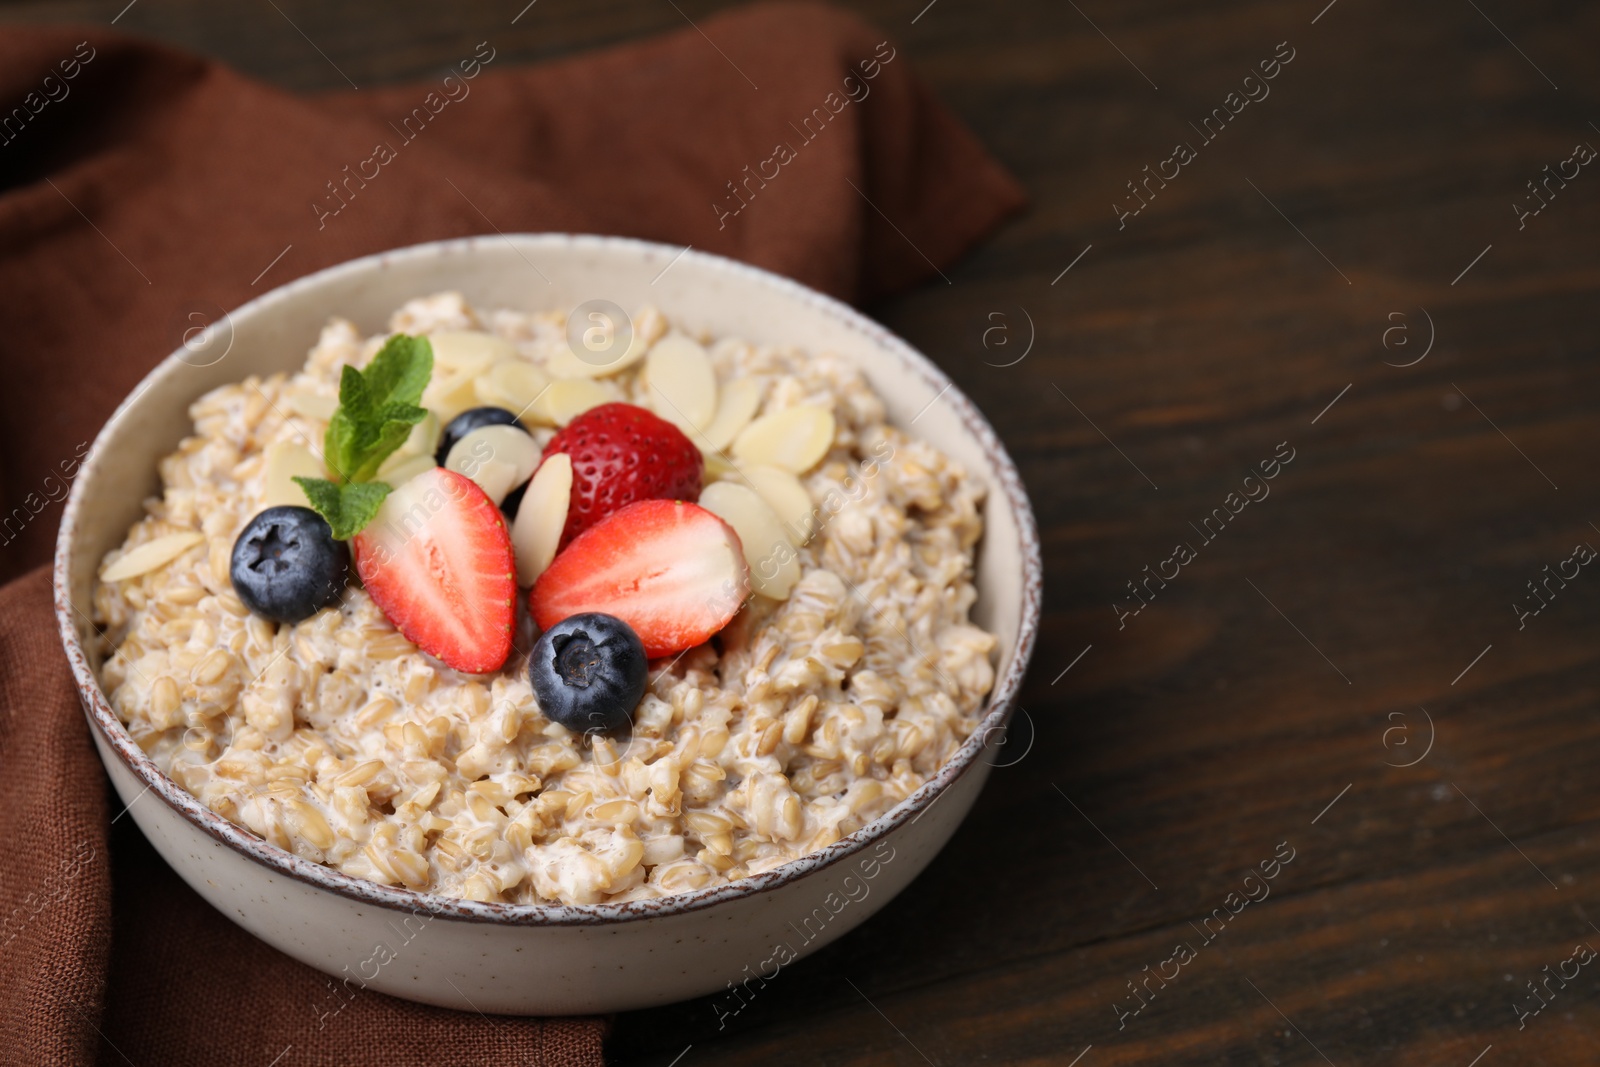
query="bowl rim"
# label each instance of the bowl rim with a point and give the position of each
(1002, 696)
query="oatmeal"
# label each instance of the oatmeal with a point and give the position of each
(848, 675)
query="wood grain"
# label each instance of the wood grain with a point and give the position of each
(1282, 669)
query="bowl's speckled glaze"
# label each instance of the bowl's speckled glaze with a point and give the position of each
(534, 959)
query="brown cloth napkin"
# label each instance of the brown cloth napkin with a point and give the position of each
(142, 190)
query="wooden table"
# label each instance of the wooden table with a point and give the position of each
(1347, 669)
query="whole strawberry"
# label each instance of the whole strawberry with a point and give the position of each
(622, 453)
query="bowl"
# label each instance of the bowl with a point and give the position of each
(539, 959)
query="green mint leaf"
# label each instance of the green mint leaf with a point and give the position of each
(387, 436)
(323, 495)
(400, 411)
(353, 394)
(341, 445)
(348, 507)
(377, 408)
(360, 505)
(395, 423)
(400, 371)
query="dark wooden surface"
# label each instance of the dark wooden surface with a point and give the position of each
(1288, 665)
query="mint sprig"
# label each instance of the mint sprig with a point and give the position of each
(349, 507)
(377, 408)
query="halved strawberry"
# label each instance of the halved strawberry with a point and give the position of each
(671, 570)
(622, 453)
(437, 560)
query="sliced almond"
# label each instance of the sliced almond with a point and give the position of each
(449, 394)
(736, 406)
(495, 477)
(568, 398)
(154, 553)
(794, 438)
(774, 564)
(541, 517)
(469, 350)
(565, 363)
(498, 458)
(513, 384)
(313, 405)
(423, 439)
(398, 469)
(716, 468)
(287, 460)
(682, 383)
(649, 324)
(788, 499)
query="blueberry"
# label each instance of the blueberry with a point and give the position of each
(286, 565)
(588, 672)
(513, 500)
(469, 420)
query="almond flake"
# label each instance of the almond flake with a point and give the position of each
(541, 517)
(568, 398)
(794, 438)
(450, 394)
(152, 554)
(287, 460)
(469, 350)
(313, 405)
(513, 384)
(424, 437)
(736, 406)
(788, 499)
(682, 383)
(398, 469)
(774, 564)
(565, 363)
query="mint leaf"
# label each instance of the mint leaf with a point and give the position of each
(377, 408)
(399, 372)
(376, 439)
(324, 496)
(353, 397)
(393, 425)
(348, 507)
(339, 444)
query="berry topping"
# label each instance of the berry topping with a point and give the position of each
(469, 420)
(437, 561)
(512, 504)
(286, 565)
(673, 571)
(588, 672)
(622, 453)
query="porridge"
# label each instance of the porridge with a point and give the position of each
(799, 581)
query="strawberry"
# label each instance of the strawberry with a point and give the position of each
(622, 453)
(671, 570)
(437, 561)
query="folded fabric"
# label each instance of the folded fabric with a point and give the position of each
(143, 190)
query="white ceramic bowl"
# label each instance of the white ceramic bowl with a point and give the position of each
(528, 959)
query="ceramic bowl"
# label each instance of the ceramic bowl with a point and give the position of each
(530, 959)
